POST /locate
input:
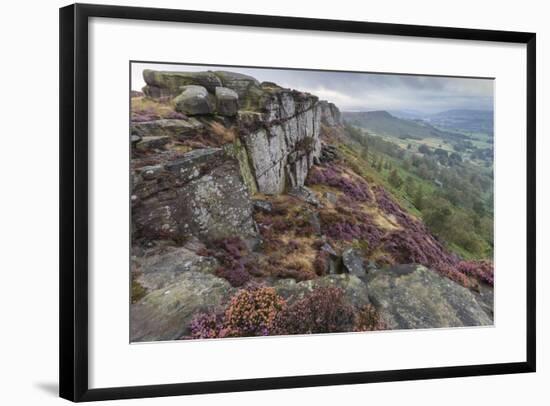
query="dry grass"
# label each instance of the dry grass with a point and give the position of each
(144, 104)
(227, 135)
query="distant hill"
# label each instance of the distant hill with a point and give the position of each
(463, 119)
(383, 123)
(407, 114)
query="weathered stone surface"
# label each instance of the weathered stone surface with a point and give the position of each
(176, 128)
(412, 296)
(330, 115)
(485, 298)
(279, 127)
(354, 288)
(332, 198)
(164, 314)
(152, 143)
(371, 266)
(227, 101)
(283, 142)
(334, 260)
(305, 194)
(157, 270)
(247, 88)
(353, 262)
(237, 150)
(313, 219)
(262, 205)
(194, 100)
(201, 194)
(168, 84)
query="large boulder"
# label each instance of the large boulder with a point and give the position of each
(353, 262)
(201, 194)
(355, 290)
(227, 101)
(485, 298)
(194, 100)
(164, 314)
(247, 88)
(412, 297)
(154, 143)
(176, 128)
(168, 84)
(157, 270)
(305, 194)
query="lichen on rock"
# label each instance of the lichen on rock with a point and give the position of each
(412, 296)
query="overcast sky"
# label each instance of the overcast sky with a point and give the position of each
(363, 91)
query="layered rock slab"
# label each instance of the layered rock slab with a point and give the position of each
(413, 297)
(201, 194)
(165, 314)
(283, 141)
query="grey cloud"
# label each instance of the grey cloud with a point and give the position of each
(364, 91)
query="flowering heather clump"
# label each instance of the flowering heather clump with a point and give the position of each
(332, 175)
(233, 256)
(352, 225)
(453, 274)
(325, 310)
(389, 206)
(252, 312)
(207, 325)
(481, 270)
(236, 274)
(368, 319)
(417, 246)
(320, 265)
(176, 115)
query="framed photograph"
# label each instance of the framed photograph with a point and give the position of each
(257, 202)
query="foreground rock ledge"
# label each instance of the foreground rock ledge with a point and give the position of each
(413, 297)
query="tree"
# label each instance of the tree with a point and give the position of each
(423, 148)
(437, 216)
(394, 179)
(365, 153)
(418, 198)
(478, 207)
(410, 186)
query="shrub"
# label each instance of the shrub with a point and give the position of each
(252, 312)
(235, 274)
(207, 325)
(232, 253)
(368, 319)
(394, 179)
(332, 175)
(419, 247)
(453, 274)
(348, 225)
(325, 310)
(320, 264)
(481, 270)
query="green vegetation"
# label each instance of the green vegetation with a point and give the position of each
(453, 196)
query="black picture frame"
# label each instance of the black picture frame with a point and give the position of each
(74, 195)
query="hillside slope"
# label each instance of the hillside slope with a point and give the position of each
(252, 215)
(383, 123)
